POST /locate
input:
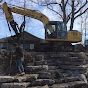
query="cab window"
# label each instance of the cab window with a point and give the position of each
(62, 27)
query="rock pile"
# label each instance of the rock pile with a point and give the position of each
(66, 68)
(44, 70)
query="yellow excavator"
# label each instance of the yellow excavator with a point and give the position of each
(55, 31)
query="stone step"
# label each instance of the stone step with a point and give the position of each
(6, 79)
(42, 82)
(46, 86)
(36, 68)
(76, 59)
(75, 84)
(66, 74)
(58, 55)
(39, 58)
(58, 75)
(15, 85)
(81, 55)
(40, 63)
(67, 79)
(50, 60)
(52, 67)
(30, 64)
(70, 63)
(52, 64)
(56, 70)
(26, 77)
(80, 71)
(71, 67)
(72, 59)
(44, 75)
(72, 54)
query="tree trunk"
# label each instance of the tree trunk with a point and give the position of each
(64, 12)
(72, 18)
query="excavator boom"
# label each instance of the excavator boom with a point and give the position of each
(26, 12)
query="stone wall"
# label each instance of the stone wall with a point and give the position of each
(54, 69)
(69, 61)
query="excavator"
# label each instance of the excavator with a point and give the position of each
(56, 34)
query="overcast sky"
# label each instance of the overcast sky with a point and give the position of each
(33, 26)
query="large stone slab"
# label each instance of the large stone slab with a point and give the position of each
(36, 68)
(70, 63)
(53, 64)
(58, 55)
(82, 55)
(71, 59)
(46, 86)
(14, 85)
(56, 71)
(52, 67)
(45, 75)
(76, 84)
(4, 79)
(27, 77)
(67, 79)
(42, 82)
(76, 59)
(39, 57)
(40, 62)
(70, 67)
(50, 60)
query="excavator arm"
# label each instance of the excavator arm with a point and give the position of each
(26, 12)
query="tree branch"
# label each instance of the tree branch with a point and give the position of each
(45, 3)
(66, 3)
(81, 7)
(69, 4)
(68, 17)
(1, 1)
(34, 2)
(61, 7)
(81, 13)
(55, 12)
(77, 4)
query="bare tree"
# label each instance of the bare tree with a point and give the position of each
(68, 10)
(1, 1)
(85, 26)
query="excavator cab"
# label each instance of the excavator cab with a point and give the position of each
(59, 30)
